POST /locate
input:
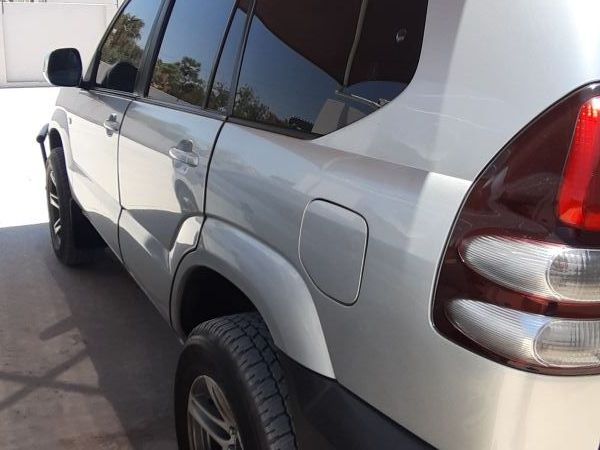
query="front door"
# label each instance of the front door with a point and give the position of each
(166, 142)
(96, 116)
(94, 157)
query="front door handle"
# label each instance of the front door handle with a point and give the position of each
(111, 125)
(184, 152)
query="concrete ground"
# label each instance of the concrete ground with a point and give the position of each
(85, 360)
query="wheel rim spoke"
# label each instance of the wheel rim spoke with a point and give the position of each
(54, 208)
(57, 226)
(210, 418)
(220, 402)
(215, 428)
(54, 200)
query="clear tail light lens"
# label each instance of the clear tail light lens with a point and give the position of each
(537, 268)
(533, 339)
(569, 343)
(507, 332)
(575, 275)
(519, 282)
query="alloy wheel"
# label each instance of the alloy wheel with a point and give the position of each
(54, 209)
(211, 423)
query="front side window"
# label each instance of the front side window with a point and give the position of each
(315, 66)
(121, 54)
(188, 51)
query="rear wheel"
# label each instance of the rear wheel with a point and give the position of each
(73, 238)
(229, 391)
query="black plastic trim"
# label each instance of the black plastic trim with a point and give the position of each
(290, 132)
(142, 85)
(328, 416)
(217, 59)
(237, 67)
(209, 113)
(41, 140)
(110, 92)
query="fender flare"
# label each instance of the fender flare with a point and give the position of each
(60, 124)
(272, 284)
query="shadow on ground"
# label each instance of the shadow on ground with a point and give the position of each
(85, 359)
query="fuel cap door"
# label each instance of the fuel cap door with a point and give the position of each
(332, 247)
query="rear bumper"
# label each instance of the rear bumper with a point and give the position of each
(327, 416)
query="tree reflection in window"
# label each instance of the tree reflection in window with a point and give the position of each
(181, 80)
(188, 50)
(122, 44)
(121, 53)
(249, 106)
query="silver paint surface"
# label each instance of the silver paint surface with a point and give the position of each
(93, 157)
(162, 197)
(274, 286)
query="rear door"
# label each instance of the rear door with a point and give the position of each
(166, 142)
(96, 114)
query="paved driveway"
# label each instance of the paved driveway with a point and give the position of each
(85, 360)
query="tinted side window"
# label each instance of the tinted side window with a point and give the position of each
(188, 51)
(121, 54)
(221, 89)
(317, 66)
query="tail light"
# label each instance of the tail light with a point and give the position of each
(520, 279)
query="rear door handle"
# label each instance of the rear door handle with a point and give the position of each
(184, 152)
(112, 124)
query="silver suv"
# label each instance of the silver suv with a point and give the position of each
(374, 223)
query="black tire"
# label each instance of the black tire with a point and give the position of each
(238, 353)
(73, 228)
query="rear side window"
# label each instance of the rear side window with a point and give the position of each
(121, 53)
(316, 66)
(188, 51)
(221, 88)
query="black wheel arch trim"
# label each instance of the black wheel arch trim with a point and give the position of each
(328, 416)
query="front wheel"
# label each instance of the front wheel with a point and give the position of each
(229, 390)
(73, 238)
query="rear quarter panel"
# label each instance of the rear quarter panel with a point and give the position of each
(486, 70)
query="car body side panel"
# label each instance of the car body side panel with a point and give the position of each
(162, 197)
(385, 348)
(273, 285)
(487, 69)
(262, 183)
(92, 161)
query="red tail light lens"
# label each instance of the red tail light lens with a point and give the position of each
(579, 197)
(520, 280)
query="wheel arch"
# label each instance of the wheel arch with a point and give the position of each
(54, 138)
(271, 285)
(198, 285)
(58, 132)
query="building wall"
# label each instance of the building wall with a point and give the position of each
(28, 31)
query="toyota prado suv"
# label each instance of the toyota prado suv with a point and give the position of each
(375, 224)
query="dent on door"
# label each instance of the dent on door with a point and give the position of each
(332, 248)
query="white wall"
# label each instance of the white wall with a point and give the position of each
(28, 31)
